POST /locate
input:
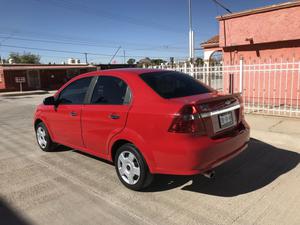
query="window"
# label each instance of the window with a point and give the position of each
(75, 92)
(111, 91)
(171, 84)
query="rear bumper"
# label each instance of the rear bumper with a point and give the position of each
(215, 163)
(197, 155)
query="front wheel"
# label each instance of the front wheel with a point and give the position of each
(131, 168)
(43, 138)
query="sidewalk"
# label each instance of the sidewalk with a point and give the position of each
(282, 131)
(18, 93)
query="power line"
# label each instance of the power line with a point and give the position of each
(53, 50)
(160, 48)
(55, 42)
(43, 55)
(9, 31)
(221, 5)
(6, 38)
(83, 8)
(76, 52)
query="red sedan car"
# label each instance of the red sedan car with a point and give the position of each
(145, 121)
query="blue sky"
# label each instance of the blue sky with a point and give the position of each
(153, 28)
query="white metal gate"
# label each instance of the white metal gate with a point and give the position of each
(271, 88)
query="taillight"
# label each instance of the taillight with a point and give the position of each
(188, 120)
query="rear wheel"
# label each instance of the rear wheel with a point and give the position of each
(43, 138)
(131, 168)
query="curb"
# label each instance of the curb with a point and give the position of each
(24, 93)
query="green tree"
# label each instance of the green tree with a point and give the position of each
(199, 61)
(157, 62)
(131, 61)
(26, 58)
(146, 61)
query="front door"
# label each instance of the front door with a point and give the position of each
(106, 114)
(33, 79)
(65, 120)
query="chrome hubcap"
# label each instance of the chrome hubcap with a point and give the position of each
(41, 137)
(129, 167)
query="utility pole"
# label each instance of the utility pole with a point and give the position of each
(114, 55)
(86, 61)
(124, 62)
(191, 33)
(1, 60)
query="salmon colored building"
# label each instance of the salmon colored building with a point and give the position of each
(260, 55)
(271, 32)
(267, 33)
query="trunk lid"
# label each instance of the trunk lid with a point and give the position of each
(219, 113)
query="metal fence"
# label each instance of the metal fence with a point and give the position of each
(271, 88)
(213, 75)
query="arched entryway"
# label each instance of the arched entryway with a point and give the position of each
(213, 57)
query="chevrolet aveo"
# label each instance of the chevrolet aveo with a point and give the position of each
(144, 121)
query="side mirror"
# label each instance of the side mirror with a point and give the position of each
(49, 101)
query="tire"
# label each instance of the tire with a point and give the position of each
(43, 138)
(131, 168)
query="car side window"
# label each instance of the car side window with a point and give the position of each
(75, 92)
(111, 91)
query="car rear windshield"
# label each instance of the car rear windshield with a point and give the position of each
(170, 84)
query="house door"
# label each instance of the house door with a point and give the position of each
(33, 79)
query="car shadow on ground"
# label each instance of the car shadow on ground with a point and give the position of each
(9, 216)
(259, 165)
(60, 148)
(93, 157)
(63, 148)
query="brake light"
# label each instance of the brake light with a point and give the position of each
(188, 120)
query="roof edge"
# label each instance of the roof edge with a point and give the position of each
(45, 65)
(259, 10)
(209, 45)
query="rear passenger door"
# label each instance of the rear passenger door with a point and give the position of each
(106, 114)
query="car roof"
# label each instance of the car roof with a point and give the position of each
(120, 71)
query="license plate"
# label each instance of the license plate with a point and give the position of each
(225, 119)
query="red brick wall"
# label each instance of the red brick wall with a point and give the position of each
(54, 79)
(2, 81)
(50, 79)
(10, 83)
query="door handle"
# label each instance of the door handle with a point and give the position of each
(114, 116)
(73, 113)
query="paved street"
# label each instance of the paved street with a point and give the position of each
(261, 186)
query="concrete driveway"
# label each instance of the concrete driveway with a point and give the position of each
(261, 186)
